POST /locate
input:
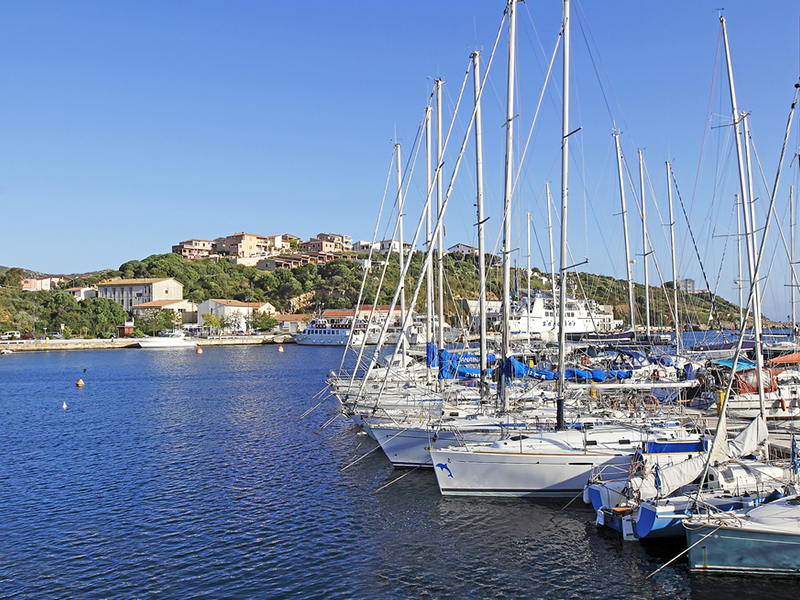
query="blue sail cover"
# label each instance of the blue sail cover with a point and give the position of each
(433, 354)
(453, 365)
(515, 368)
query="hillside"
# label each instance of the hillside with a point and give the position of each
(332, 285)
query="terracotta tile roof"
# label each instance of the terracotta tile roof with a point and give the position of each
(145, 281)
(159, 303)
(226, 302)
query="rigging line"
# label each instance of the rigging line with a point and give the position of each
(708, 112)
(366, 273)
(536, 112)
(777, 222)
(694, 243)
(439, 219)
(580, 13)
(722, 259)
(396, 479)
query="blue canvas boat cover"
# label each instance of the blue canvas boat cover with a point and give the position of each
(741, 365)
(453, 365)
(515, 368)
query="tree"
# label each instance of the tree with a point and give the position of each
(13, 277)
(211, 320)
(262, 321)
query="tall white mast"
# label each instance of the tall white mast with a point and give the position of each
(739, 251)
(791, 259)
(481, 241)
(552, 252)
(401, 250)
(631, 300)
(645, 247)
(439, 194)
(509, 181)
(428, 239)
(562, 300)
(529, 279)
(748, 223)
(675, 317)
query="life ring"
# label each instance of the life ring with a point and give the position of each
(585, 360)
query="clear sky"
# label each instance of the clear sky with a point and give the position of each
(126, 127)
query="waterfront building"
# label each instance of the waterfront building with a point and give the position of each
(132, 292)
(234, 309)
(187, 309)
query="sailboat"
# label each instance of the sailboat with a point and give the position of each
(552, 462)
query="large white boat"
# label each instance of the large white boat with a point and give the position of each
(175, 339)
(538, 316)
(322, 332)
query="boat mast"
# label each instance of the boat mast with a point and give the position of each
(529, 279)
(481, 242)
(791, 260)
(509, 181)
(439, 193)
(675, 320)
(428, 241)
(552, 253)
(739, 249)
(625, 233)
(745, 190)
(645, 247)
(562, 300)
(401, 253)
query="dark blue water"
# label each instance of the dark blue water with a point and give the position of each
(177, 475)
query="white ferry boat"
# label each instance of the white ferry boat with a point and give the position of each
(538, 316)
(322, 332)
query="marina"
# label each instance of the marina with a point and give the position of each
(185, 475)
(447, 424)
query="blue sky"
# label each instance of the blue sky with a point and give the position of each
(128, 127)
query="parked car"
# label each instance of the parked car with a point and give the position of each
(27, 336)
(10, 335)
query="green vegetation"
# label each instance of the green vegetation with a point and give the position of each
(311, 287)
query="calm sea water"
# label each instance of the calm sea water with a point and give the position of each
(177, 475)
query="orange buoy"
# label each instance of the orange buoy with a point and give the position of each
(79, 383)
(199, 350)
(280, 348)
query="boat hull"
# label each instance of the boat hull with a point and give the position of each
(740, 550)
(516, 474)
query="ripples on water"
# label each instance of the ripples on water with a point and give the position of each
(178, 475)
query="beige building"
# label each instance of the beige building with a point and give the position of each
(38, 284)
(194, 248)
(132, 292)
(241, 244)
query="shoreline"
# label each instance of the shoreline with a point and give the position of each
(100, 344)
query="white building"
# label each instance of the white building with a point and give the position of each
(387, 246)
(463, 248)
(131, 292)
(238, 311)
(82, 293)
